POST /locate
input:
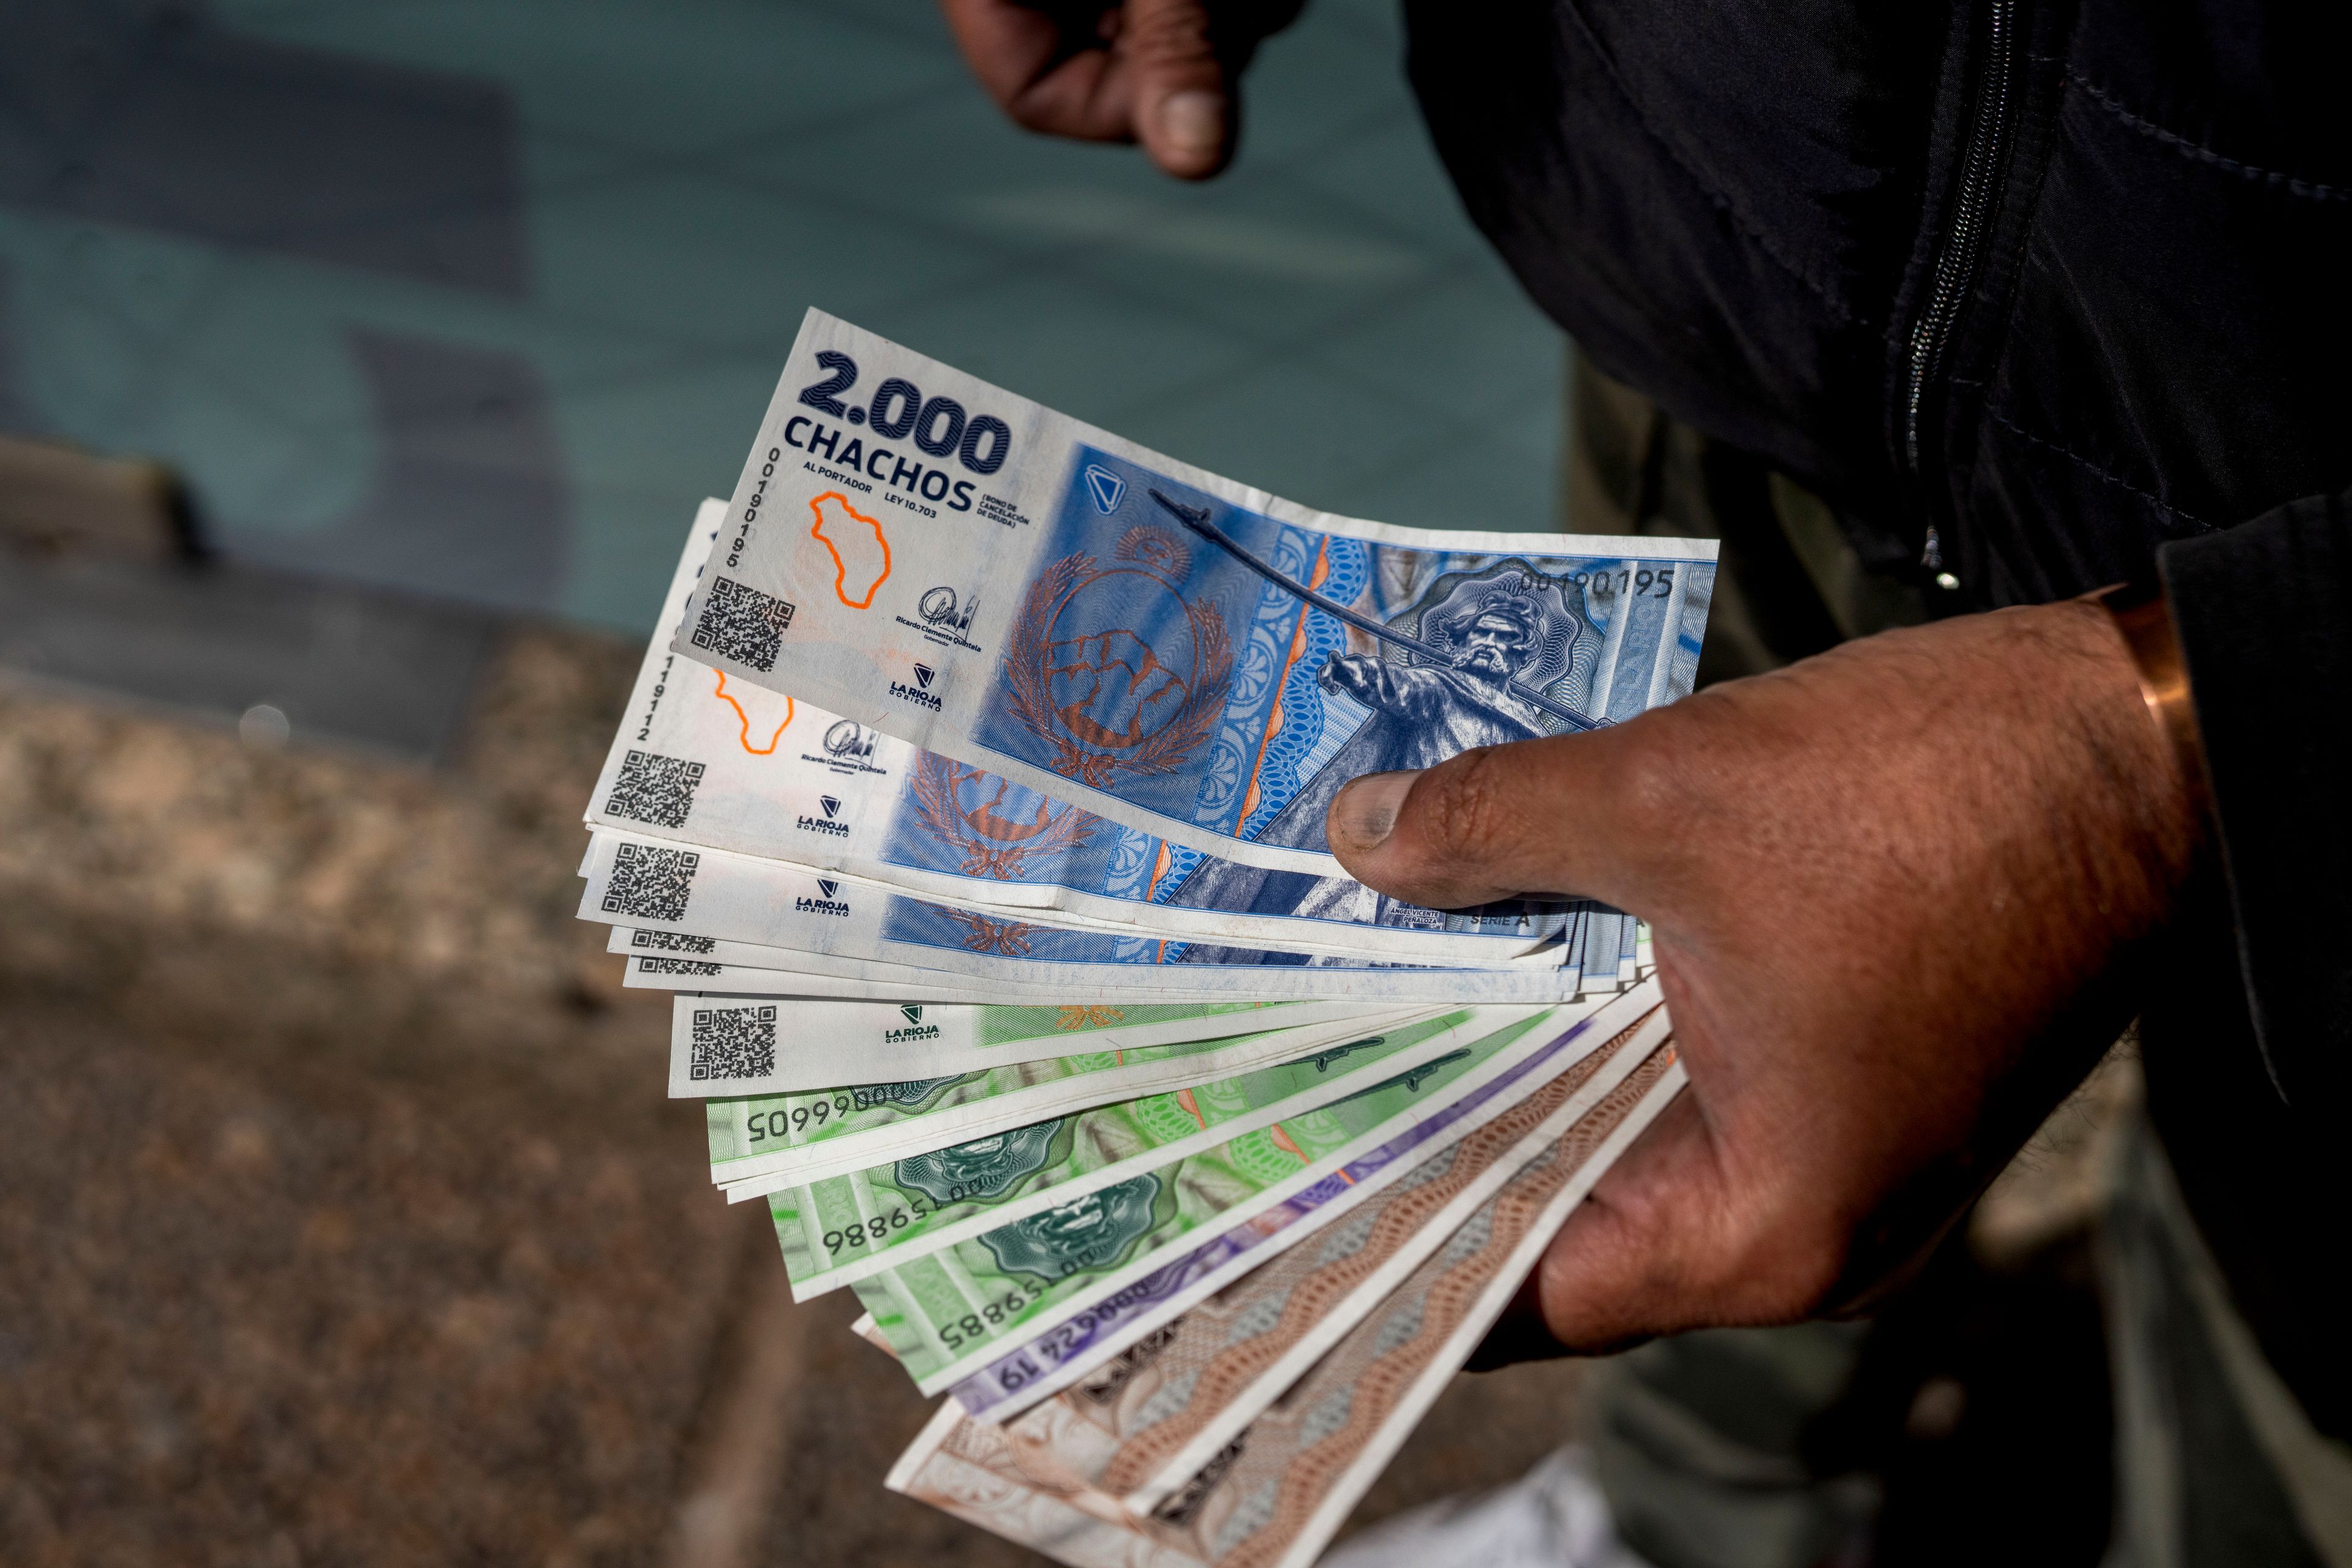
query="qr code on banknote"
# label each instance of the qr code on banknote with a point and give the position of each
(742, 624)
(732, 1043)
(673, 941)
(701, 969)
(654, 789)
(650, 884)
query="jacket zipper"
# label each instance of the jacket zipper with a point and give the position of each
(1957, 262)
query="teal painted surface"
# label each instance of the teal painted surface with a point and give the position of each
(1322, 321)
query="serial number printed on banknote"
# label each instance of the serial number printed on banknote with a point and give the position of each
(936, 558)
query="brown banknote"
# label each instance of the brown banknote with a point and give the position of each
(1274, 1494)
(1182, 1392)
(968, 1469)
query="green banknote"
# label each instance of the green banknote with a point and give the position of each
(948, 1311)
(758, 1045)
(808, 1137)
(847, 1228)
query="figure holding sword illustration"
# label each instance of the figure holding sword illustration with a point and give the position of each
(1467, 693)
(1486, 653)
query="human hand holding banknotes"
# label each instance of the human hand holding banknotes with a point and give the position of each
(972, 800)
(1898, 892)
(1172, 953)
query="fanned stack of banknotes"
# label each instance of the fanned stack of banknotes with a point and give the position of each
(971, 800)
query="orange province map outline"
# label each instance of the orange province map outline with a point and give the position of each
(860, 551)
(762, 700)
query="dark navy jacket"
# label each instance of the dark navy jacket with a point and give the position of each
(2040, 294)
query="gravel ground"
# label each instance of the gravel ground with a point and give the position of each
(342, 1217)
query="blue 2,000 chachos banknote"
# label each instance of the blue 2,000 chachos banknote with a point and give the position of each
(933, 557)
(790, 910)
(720, 762)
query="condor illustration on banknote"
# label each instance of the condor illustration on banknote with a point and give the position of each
(950, 564)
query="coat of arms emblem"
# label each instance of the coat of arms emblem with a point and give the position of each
(957, 806)
(983, 1170)
(1111, 666)
(1090, 1231)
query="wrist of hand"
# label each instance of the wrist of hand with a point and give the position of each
(2143, 620)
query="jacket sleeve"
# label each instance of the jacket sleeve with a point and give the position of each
(2263, 613)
